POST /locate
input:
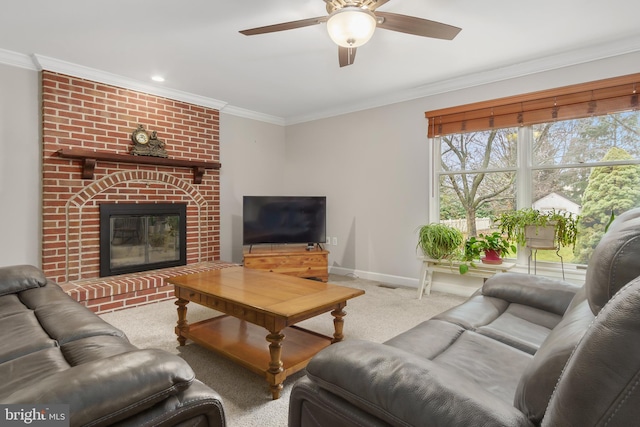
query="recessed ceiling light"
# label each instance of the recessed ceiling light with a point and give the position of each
(157, 78)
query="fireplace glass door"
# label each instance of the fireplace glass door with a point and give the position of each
(138, 237)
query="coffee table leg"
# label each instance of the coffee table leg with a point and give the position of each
(275, 373)
(338, 323)
(183, 325)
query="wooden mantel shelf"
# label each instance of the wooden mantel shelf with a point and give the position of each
(89, 158)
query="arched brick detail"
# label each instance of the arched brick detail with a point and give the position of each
(81, 208)
(103, 184)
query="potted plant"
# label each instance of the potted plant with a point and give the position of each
(439, 241)
(529, 227)
(494, 246)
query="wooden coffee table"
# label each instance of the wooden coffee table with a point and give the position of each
(254, 300)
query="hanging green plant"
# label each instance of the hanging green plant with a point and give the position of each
(513, 224)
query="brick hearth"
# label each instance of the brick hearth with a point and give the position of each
(79, 113)
(113, 293)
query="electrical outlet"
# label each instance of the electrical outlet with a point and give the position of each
(334, 241)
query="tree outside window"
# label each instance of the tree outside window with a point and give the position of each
(590, 166)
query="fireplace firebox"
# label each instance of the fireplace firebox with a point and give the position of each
(142, 236)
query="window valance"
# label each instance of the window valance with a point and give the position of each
(569, 102)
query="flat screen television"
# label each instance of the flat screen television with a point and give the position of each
(284, 219)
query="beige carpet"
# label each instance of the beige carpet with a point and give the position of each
(383, 312)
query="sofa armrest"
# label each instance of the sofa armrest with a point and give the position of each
(198, 405)
(535, 291)
(404, 389)
(17, 278)
(105, 391)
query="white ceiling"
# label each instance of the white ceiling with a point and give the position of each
(294, 75)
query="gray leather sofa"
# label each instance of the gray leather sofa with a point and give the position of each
(55, 351)
(522, 351)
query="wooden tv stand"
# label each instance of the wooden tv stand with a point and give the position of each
(294, 260)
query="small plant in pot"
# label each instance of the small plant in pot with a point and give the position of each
(526, 227)
(439, 241)
(494, 246)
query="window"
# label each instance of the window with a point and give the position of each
(477, 177)
(586, 165)
(593, 162)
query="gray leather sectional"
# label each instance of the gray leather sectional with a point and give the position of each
(522, 351)
(55, 351)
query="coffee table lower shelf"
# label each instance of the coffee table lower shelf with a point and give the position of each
(246, 344)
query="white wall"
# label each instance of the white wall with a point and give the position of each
(252, 154)
(371, 166)
(20, 151)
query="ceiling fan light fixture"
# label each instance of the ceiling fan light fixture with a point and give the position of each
(351, 26)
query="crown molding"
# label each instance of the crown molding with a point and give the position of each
(17, 60)
(248, 114)
(37, 62)
(478, 78)
(535, 66)
(483, 77)
(63, 67)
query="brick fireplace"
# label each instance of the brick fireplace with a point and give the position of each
(85, 115)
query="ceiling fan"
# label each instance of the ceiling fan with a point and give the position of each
(351, 24)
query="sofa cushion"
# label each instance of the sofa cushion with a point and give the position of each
(522, 327)
(10, 305)
(493, 366)
(614, 261)
(48, 295)
(21, 334)
(515, 312)
(540, 377)
(62, 318)
(539, 292)
(474, 312)
(93, 348)
(428, 339)
(70, 322)
(29, 370)
(18, 278)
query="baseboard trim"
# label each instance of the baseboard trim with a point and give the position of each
(410, 282)
(386, 278)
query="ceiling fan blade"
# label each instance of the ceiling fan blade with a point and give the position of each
(346, 55)
(284, 26)
(417, 26)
